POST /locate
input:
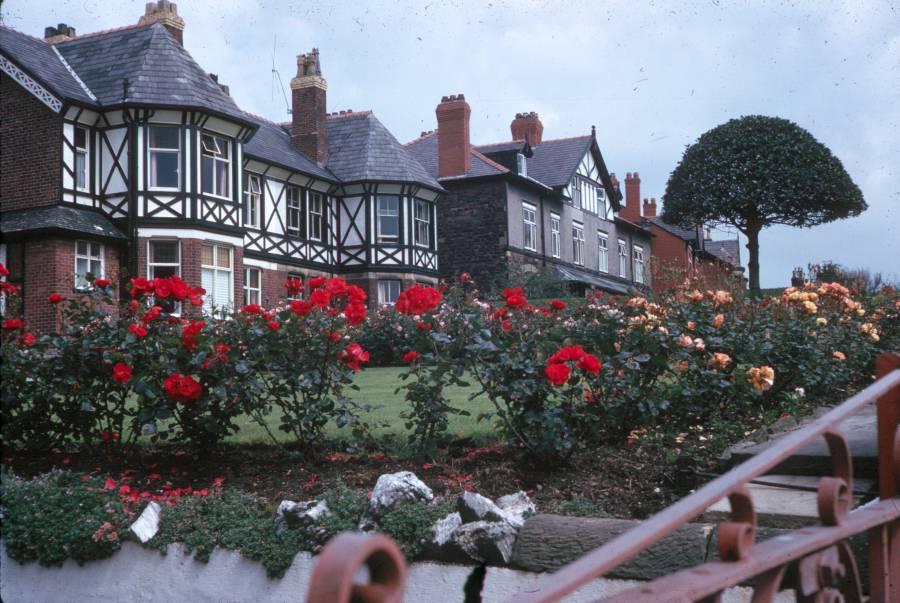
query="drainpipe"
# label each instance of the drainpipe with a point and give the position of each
(543, 238)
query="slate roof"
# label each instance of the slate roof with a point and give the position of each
(38, 59)
(272, 143)
(553, 162)
(425, 150)
(682, 233)
(159, 70)
(727, 251)
(361, 148)
(568, 273)
(58, 218)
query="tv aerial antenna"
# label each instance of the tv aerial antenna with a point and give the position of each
(277, 77)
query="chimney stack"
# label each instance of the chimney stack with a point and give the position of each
(632, 209)
(454, 155)
(309, 129)
(650, 208)
(60, 33)
(166, 13)
(527, 126)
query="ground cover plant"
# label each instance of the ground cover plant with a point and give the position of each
(603, 405)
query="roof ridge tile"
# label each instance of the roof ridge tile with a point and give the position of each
(104, 32)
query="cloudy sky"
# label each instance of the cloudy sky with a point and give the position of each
(652, 76)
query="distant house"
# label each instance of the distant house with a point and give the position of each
(122, 157)
(528, 204)
(681, 253)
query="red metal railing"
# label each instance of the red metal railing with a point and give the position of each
(816, 562)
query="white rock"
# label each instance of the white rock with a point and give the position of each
(292, 514)
(475, 507)
(515, 507)
(486, 541)
(442, 530)
(392, 489)
(146, 526)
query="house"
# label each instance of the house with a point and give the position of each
(529, 204)
(122, 157)
(681, 253)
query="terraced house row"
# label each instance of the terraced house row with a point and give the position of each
(121, 156)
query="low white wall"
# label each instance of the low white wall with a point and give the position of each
(135, 574)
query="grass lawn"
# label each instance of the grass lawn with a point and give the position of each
(376, 386)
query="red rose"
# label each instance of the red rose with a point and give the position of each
(557, 304)
(336, 287)
(162, 288)
(320, 298)
(572, 353)
(189, 335)
(28, 339)
(410, 357)
(418, 300)
(506, 326)
(464, 277)
(355, 313)
(13, 323)
(316, 282)
(133, 305)
(8, 288)
(557, 374)
(252, 309)
(152, 314)
(103, 283)
(301, 307)
(274, 325)
(353, 356)
(121, 372)
(3, 270)
(139, 331)
(334, 337)
(55, 298)
(140, 287)
(423, 326)
(355, 295)
(294, 287)
(182, 388)
(590, 364)
(180, 289)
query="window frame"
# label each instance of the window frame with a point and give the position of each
(249, 196)
(248, 290)
(421, 223)
(602, 252)
(216, 156)
(89, 258)
(381, 297)
(151, 265)
(555, 235)
(161, 150)
(290, 210)
(210, 308)
(84, 154)
(315, 219)
(578, 243)
(529, 227)
(637, 267)
(623, 258)
(379, 236)
(576, 193)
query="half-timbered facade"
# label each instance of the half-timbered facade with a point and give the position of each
(122, 157)
(530, 204)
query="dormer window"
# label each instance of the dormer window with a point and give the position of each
(521, 165)
(165, 156)
(215, 165)
(81, 158)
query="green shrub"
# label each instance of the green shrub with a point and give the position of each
(410, 524)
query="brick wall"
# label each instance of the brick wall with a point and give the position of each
(472, 235)
(30, 149)
(670, 265)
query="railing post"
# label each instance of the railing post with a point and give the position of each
(884, 541)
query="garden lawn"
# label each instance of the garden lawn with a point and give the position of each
(376, 387)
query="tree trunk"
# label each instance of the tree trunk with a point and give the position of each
(753, 248)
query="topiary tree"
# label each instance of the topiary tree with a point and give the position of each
(757, 171)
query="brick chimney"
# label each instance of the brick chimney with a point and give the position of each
(60, 33)
(166, 13)
(454, 156)
(632, 209)
(527, 126)
(309, 129)
(650, 208)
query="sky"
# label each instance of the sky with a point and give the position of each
(652, 76)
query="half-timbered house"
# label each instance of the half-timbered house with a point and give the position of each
(530, 204)
(122, 157)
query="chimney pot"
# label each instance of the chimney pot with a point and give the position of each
(165, 13)
(60, 33)
(527, 126)
(632, 209)
(309, 131)
(454, 156)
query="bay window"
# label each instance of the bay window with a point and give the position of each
(163, 261)
(216, 278)
(423, 223)
(316, 216)
(294, 210)
(388, 291)
(215, 165)
(164, 149)
(252, 288)
(88, 262)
